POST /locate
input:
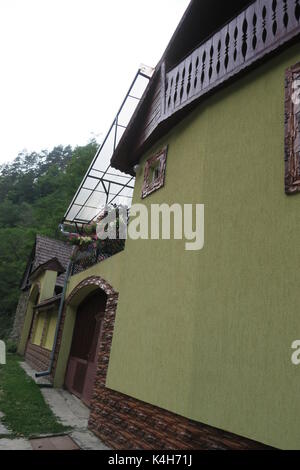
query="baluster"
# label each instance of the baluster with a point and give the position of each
(274, 17)
(251, 17)
(196, 71)
(190, 68)
(170, 91)
(209, 55)
(227, 47)
(186, 85)
(203, 76)
(293, 13)
(241, 39)
(234, 45)
(211, 60)
(179, 83)
(297, 10)
(261, 28)
(268, 22)
(223, 35)
(285, 14)
(176, 84)
(182, 82)
(216, 62)
(245, 38)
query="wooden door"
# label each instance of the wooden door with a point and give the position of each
(82, 365)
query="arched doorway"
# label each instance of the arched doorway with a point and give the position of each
(82, 364)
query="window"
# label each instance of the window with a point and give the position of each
(154, 176)
(49, 332)
(292, 130)
(39, 328)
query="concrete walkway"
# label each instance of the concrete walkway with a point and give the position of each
(68, 409)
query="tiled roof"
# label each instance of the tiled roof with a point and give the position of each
(47, 248)
(51, 265)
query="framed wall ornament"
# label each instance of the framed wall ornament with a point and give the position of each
(292, 129)
(154, 174)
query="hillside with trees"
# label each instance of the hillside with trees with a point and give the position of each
(35, 191)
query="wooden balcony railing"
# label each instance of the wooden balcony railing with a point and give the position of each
(262, 27)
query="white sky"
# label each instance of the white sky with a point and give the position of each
(65, 65)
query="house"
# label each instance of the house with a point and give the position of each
(174, 348)
(44, 278)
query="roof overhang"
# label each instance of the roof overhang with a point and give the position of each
(51, 265)
(200, 20)
(48, 304)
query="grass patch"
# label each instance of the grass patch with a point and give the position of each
(25, 411)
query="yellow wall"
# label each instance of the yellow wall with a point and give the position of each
(51, 327)
(33, 300)
(45, 284)
(47, 281)
(38, 328)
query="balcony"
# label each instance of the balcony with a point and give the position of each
(87, 258)
(258, 30)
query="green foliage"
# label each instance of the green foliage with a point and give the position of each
(35, 191)
(25, 412)
(11, 347)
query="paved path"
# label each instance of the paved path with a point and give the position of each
(68, 409)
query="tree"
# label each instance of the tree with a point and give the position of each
(35, 191)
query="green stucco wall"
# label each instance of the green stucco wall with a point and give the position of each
(208, 334)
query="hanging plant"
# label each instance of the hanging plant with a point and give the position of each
(87, 240)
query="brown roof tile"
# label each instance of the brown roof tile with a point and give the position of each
(46, 249)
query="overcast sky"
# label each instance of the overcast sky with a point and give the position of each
(67, 64)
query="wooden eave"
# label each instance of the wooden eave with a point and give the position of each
(138, 139)
(48, 304)
(51, 265)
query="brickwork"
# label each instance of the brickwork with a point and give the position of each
(89, 281)
(124, 423)
(37, 357)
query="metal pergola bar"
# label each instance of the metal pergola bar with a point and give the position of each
(108, 180)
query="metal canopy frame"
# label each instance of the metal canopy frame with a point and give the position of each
(103, 184)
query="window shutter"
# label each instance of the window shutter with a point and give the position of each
(292, 130)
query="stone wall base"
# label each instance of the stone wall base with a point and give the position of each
(20, 315)
(124, 423)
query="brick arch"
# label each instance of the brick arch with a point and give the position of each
(107, 329)
(96, 281)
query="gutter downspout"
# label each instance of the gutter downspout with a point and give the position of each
(60, 311)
